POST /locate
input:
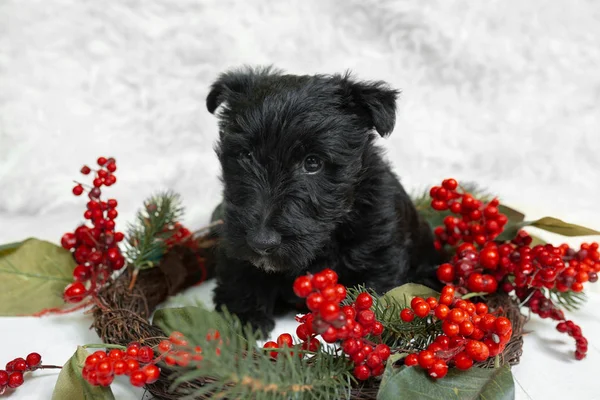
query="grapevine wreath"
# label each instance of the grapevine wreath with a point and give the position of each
(351, 344)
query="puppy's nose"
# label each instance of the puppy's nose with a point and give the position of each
(263, 241)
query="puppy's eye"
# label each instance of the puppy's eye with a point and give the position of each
(312, 164)
(244, 155)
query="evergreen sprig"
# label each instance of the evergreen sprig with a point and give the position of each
(399, 335)
(147, 236)
(568, 300)
(237, 369)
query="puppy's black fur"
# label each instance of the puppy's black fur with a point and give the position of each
(306, 188)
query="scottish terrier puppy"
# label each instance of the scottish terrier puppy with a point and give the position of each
(305, 188)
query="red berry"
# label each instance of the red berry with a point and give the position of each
(3, 379)
(145, 354)
(271, 345)
(329, 293)
(562, 327)
(138, 378)
(331, 276)
(302, 286)
(457, 316)
(441, 311)
(132, 366)
(411, 359)
(101, 161)
(329, 311)
(314, 301)
(463, 361)
(580, 355)
(432, 301)
(330, 335)
(478, 351)
(415, 301)
(450, 184)
(116, 354)
(475, 282)
(120, 367)
(351, 346)
(362, 372)
(366, 317)
(152, 373)
(373, 360)
(78, 190)
(302, 332)
(364, 301)
(489, 258)
(407, 315)
(503, 325)
(377, 328)
(320, 281)
(383, 351)
(104, 367)
(438, 370)
(112, 167)
(15, 379)
(68, 241)
(81, 273)
(33, 360)
(20, 364)
(340, 291)
(426, 359)
(85, 170)
(481, 308)
(450, 329)
(75, 292)
(284, 340)
(445, 273)
(467, 328)
(112, 213)
(421, 309)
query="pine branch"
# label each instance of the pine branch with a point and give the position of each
(234, 366)
(568, 300)
(146, 238)
(399, 335)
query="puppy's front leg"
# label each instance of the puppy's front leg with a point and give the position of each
(246, 292)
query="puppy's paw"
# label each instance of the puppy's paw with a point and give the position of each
(261, 323)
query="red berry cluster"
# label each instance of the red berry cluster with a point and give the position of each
(470, 333)
(472, 222)
(12, 376)
(351, 323)
(101, 367)
(180, 235)
(95, 248)
(472, 269)
(176, 349)
(514, 265)
(539, 304)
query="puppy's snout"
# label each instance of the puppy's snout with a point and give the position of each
(263, 241)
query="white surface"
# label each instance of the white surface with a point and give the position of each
(505, 93)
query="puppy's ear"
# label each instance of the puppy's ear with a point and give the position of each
(376, 101)
(233, 83)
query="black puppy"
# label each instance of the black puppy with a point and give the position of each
(305, 188)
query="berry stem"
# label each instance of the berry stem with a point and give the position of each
(472, 294)
(49, 367)
(47, 311)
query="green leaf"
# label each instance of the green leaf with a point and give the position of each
(33, 277)
(182, 315)
(71, 385)
(390, 368)
(405, 293)
(512, 214)
(411, 383)
(555, 225)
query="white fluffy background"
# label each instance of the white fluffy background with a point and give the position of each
(505, 93)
